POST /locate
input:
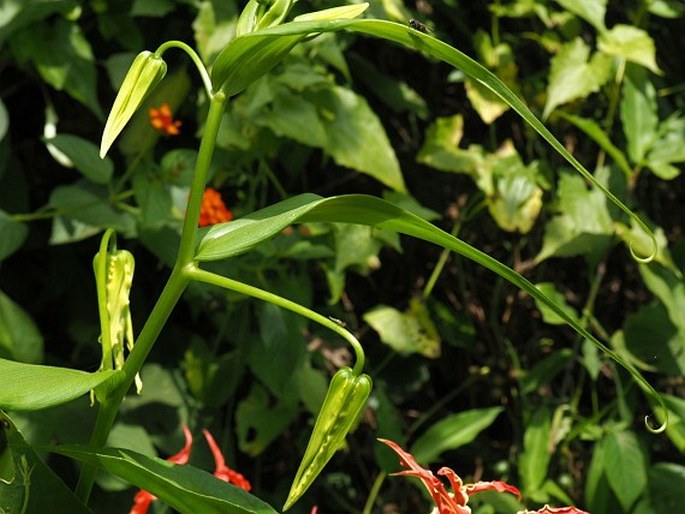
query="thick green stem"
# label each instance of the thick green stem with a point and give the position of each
(110, 406)
(192, 272)
(186, 253)
(168, 299)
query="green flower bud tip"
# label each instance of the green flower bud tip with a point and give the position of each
(344, 400)
(147, 70)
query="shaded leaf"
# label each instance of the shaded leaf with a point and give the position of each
(536, 456)
(20, 338)
(544, 371)
(452, 432)
(13, 233)
(48, 494)
(625, 466)
(85, 157)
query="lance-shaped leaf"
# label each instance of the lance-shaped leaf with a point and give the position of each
(33, 387)
(182, 487)
(272, 45)
(253, 54)
(239, 236)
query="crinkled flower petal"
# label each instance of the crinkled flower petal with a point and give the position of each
(222, 471)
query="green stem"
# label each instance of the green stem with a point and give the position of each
(373, 494)
(206, 80)
(186, 252)
(110, 406)
(192, 272)
(172, 292)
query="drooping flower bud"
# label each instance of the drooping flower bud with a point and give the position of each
(344, 400)
(147, 70)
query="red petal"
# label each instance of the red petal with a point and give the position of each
(500, 487)
(554, 510)
(222, 471)
(445, 503)
(141, 502)
(183, 456)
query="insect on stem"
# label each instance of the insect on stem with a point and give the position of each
(417, 25)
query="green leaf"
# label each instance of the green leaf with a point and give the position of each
(184, 488)
(33, 486)
(357, 139)
(625, 466)
(676, 425)
(592, 128)
(63, 57)
(592, 11)
(4, 120)
(271, 41)
(441, 147)
(85, 157)
(259, 421)
(452, 432)
(630, 43)
(584, 225)
(668, 148)
(666, 487)
(20, 339)
(638, 112)
(544, 371)
(236, 237)
(33, 387)
(536, 456)
(214, 27)
(669, 288)
(548, 316)
(90, 205)
(406, 332)
(574, 75)
(20, 13)
(13, 233)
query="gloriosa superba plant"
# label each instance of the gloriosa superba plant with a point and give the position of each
(262, 41)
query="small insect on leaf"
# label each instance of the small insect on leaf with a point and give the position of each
(417, 25)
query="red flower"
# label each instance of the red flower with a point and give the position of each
(554, 510)
(446, 503)
(143, 499)
(223, 472)
(213, 209)
(162, 120)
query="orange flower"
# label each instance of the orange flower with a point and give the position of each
(162, 120)
(213, 209)
(143, 499)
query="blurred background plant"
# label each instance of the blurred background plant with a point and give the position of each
(468, 371)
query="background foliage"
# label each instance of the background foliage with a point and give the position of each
(468, 372)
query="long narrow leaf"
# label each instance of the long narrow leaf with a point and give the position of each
(229, 239)
(269, 51)
(185, 488)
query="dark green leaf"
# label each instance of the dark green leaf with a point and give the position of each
(452, 432)
(184, 488)
(625, 466)
(13, 233)
(20, 339)
(33, 487)
(544, 371)
(85, 157)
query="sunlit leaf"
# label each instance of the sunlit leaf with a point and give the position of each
(638, 112)
(33, 386)
(630, 43)
(574, 74)
(592, 11)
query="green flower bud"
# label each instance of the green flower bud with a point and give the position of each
(345, 399)
(145, 73)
